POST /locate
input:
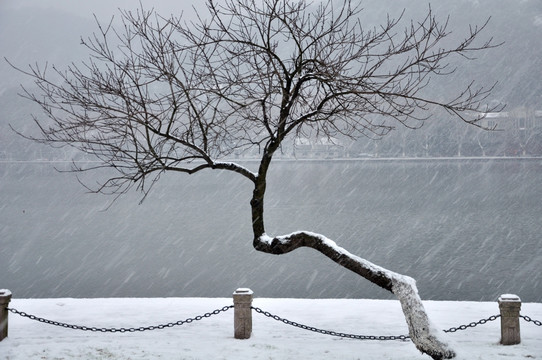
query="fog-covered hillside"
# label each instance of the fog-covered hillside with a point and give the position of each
(49, 33)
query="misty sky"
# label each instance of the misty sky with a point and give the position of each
(102, 8)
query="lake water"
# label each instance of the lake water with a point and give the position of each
(464, 229)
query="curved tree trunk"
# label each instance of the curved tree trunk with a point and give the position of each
(422, 333)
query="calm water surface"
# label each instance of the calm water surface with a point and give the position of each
(464, 229)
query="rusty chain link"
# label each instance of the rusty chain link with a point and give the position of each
(121, 330)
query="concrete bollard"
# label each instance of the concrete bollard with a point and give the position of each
(242, 317)
(509, 306)
(5, 297)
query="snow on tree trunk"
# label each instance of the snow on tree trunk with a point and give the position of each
(424, 335)
(422, 332)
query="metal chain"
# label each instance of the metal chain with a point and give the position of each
(327, 332)
(472, 324)
(373, 337)
(528, 319)
(121, 330)
(260, 311)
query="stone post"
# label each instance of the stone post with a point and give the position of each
(242, 317)
(510, 305)
(5, 297)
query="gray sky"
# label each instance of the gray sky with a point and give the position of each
(102, 8)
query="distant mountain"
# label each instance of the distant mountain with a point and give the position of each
(30, 35)
(46, 35)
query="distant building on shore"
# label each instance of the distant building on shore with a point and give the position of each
(318, 148)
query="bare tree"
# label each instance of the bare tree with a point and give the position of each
(164, 94)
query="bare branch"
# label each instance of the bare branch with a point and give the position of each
(162, 94)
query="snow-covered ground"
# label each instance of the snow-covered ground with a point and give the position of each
(212, 338)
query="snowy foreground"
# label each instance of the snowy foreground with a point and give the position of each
(212, 338)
